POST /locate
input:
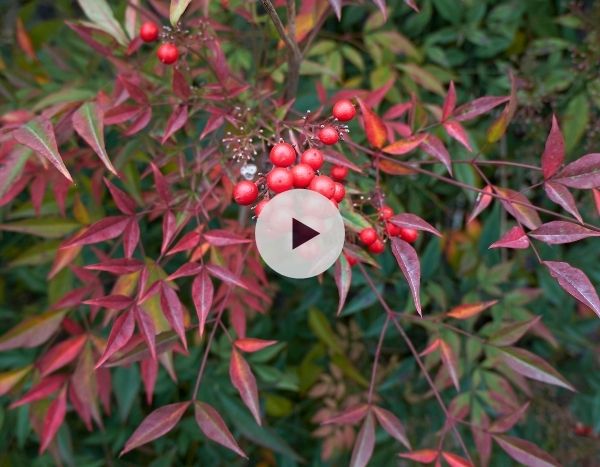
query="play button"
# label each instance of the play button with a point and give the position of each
(300, 233)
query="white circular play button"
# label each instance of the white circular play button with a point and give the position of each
(300, 233)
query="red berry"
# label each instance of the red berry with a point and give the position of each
(260, 206)
(328, 135)
(367, 235)
(343, 110)
(280, 179)
(149, 31)
(377, 247)
(392, 229)
(312, 157)
(167, 53)
(351, 259)
(409, 235)
(386, 212)
(324, 185)
(339, 172)
(339, 192)
(283, 155)
(303, 175)
(245, 192)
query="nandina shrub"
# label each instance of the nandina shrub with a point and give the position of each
(132, 269)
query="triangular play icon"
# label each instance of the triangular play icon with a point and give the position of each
(301, 233)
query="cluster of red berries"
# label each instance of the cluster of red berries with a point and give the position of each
(167, 52)
(372, 240)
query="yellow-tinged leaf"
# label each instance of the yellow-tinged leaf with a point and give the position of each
(468, 310)
(32, 331)
(374, 127)
(393, 168)
(423, 77)
(498, 128)
(9, 379)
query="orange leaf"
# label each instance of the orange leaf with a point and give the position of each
(374, 127)
(405, 146)
(467, 310)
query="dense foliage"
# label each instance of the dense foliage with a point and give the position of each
(139, 324)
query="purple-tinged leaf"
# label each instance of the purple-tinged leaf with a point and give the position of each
(478, 107)
(122, 200)
(480, 423)
(88, 123)
(554, 152)
(105, 229)
(212, 124)
(141, 120)
(173, 311)
(515, 238)
(508, 421)
(180, 86)
(38, 135)
(455, 130)
(117, 266)
(131, 237)
(364, 444)
(54, 418)
(558, 232)
(169, 227)
(597, 199)
(449, 102)
(147, 329)
(531, 366)
(155, 425)
(563, 197)
(176, 121)
(435, 148)
(149, 372)
(41, 390)
(511, 333)
(450, 362)
(202, 296)
(111, 302)
(245, 382)
(186, 270)
(161, 184)
(407, 259)
(518, 206)
(484, 198)
(584, 173)
(468, 310)
(187, 242)
(343, 279)
(120, 334)
(349, 416)
(575, 282)
(412, 221)
(412, 4)
(226, 276)
(220, 237)
(214, 428)
(525, 452)
(390, 423)
(404, 146)
(382, 7)
(337, 8)
(251, 344)
(32, 331)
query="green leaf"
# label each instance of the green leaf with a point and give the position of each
(47, 227)
(177, 9)
(99, 13)
(575, 120)
(88, 123)
(322, 329)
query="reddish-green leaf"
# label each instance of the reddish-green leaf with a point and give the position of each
(424, 456)
(450, 362)
(404, 146)
(60, 355)
(511, 333)
(9, 379)
(105, 229)
(412, 221)
(515, 238)
(202, 296)
(557, 232)
(176, 121)
(518, 206)
(32, 331)
(468, 310)
(482, 202)
(155, 425)
(525, 452)
(88, 123)
(214, 428)
(250, 344)
(349, 416)
(433, 146)
(390, 423)
(38, 134)
(41, 390)
(508, 421)
(563, 197)
(407, 259)
(173, 311)
(343, 279)
(120, 334)
(478, 107)
(53, 419)
(531, 366)
(498, 128)
(374, 127)
(455, 460)
(455, 130)
(584, 173)
(364, 444)
(146, 327)
(243, 380)
(554, 152)
(575, 282)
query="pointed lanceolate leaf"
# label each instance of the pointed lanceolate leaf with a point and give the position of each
(343, 279)
(531, 366)
(423, 456)
(484, 198)
(412, 221)
(456, 131)
(41, 390)
(508, 421)
(38, 135)
(32, 331)
(54, 418)
(563, 197)
(219, 237)
(374, 127)
(118, 266)
(250, 344)
(89, 124)
(478, 107)
(468, 310)
(101, 15)
(434, 146)
(176, 121)
(105, 229)
(390, 423)
(449, 102)
(169, 226)
(412, 4)
(575, 282)
(337, 8)
(450, 362)
(120, 334)
(454, 460)
(349, 416)
(554, 152)
(9, 379)
(177, 9)
(511, 333)
(404, 146)
(498, 128)
(111, 302)
(584, 173)
(518, 206)
(202, 296)
(60, 355)
(173, 311)
(558, 232)
(214, 428)
(124, 202)
(226, 276)
(525, 452)
(245, 382)
(364, 444)
(514, 238)
(155, 425)
(407, 259)
(147, 329)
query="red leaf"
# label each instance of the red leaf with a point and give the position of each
(450, 362)
(431, 348)
(60, 355)
(53, 419)
(173, 311)
(433, 146)
(449, 102)
(407, 259)
(597, 199)
(149, 371)
(374, 127)
(468, 310)
(160, 182)
(214, 428)
(105, 229)
(220, 237)
(147, 329)
(131, 237)
(525, 452)
(563, 197)
(343, 280)
(140, 122)
(168, 227)
(244, 381)
(511, 333)
(584, 173)
(507, 422)
(187, 242)
(424, 456)
(478, 107)
(186, 270)
(225, 275)
(455, 130)
(155, 425)
(575, 282)
(349, 416)
(39, 135)
(390, 423)
(411, 221)
(118, 266)
(481, 203)
(176, 121)
(32, 331)
(557, 232)
(405, 146)
(88, 122)
(456, 461)
(522, 209)
(41, 390)
(554, 152)
(202, 295)
(212, 124)
(120, 334)
(249, 344)
(364, 444)
(180, 86)
(123, 201)
(514, 238)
